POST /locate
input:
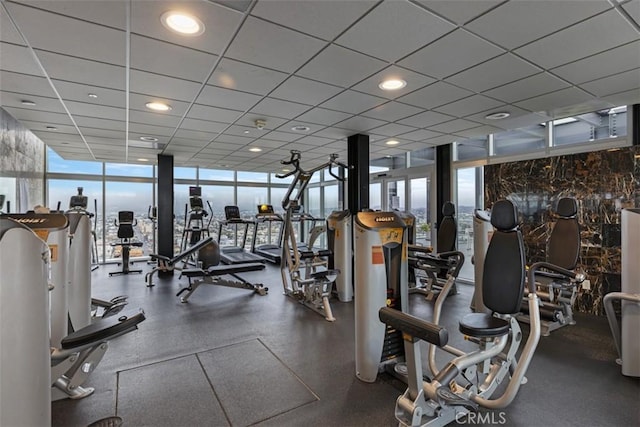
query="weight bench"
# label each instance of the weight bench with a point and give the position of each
(166, 264)
(212, 271)
(81, 351)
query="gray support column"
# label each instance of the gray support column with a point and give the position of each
(358, 183)
(443, 179)
(165, 206)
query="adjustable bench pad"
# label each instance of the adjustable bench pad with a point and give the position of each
(181, 255)
(101, 330)
(220, 270)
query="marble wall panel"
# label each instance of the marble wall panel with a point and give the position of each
(22, 157)
(603, 182)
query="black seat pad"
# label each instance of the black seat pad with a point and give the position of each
(554, 276)
(101, 330)
(222, 269)
(483, 325)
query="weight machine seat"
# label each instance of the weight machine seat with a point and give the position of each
(564, 243)
(134, 244)
(101, 330)
(324, 273)
(503, 277)
(312, 254)
(482, 325)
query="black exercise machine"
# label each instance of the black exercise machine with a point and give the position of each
(271, 251)
(125, 224)
(166, 264)
(236, 254)
(211, 272)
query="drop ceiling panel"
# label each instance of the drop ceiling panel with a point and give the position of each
(112, 14)
(233, 140)
(238, 75)
(470, 105)
(318, 18)
(353, 102)
(420, 135)
(514, 120)
(18, 59)
(359, 124)
(392, 129)
(269, 143)
(426, 119)
(157, 119)
(400, 28)
(162, 86)
(226, 98)
(249, 120)
(333, 133)
(80, 92)
(140, 129)
(447, 51)
(455, 126)
(280, 137)
(434, 95)
(69, 36)
(305, 91)
(205, 112)
(322, 116)
(614, 84)
(392, 111)
(460, 11)
(98, 123)
(414, 81)
(560, 98)
(193, 135)
(82, 71)
(10, 99)
(169, 59)
(8, 32)
(314, 140)
(527, 88)
(287, 127)
(604, 64)
(219, 22)
(92, 110)
(272, 46)
(482, 130)
(495, 72)
(203, 125)
(518, 22)
(341, 67)
(44, 117)
(278, 108)
(584, 39)
(103, 133)
(624, 98)
(633, 9)
(57, 138)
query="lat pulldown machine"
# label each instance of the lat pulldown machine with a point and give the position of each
(305, 276)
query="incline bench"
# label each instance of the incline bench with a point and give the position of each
(166, 264)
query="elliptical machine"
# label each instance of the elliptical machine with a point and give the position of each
(195, 228)
(305, 275)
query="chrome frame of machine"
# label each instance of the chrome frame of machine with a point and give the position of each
(305, 275)
(381, 280)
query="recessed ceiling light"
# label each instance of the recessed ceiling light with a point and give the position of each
(286, 170)
(27, 102)
(158, 106)
(300, 128)
(392, 84)
(92, 95)
(182, 23)
(497, 116)
(148, 139)
(392, 142)
(246, 132)
(255, 149)
(52, 128)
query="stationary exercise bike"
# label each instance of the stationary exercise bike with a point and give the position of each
(470, 380)
(125, 224)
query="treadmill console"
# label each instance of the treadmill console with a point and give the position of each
(265, 210)
(232, 213)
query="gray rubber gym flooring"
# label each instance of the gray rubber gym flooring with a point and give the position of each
(233, 358)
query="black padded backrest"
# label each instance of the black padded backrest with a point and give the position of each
(564, 243)
(448, 229)
(504, 264)
(125, 225)
(209, 255)
(231, 212)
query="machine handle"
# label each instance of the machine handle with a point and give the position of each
(575, 276)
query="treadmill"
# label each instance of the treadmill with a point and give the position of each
(236, 254)
(271, 252)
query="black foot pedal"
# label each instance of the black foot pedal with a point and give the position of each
(449, 398)
(107, 422)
